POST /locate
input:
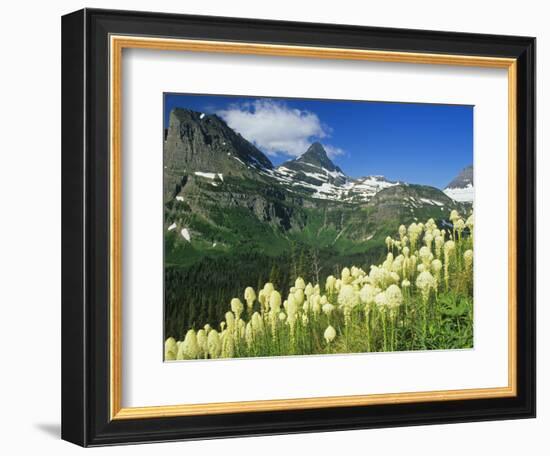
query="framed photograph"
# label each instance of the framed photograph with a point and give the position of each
(278, 227)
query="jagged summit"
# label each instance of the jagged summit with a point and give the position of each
(465, 177)
(316, 155)
(315, 158)
(461, 188)
(313, 167)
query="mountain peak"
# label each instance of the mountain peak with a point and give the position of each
(316, 155)
(464, 178)
(461, 188)
(316, 149)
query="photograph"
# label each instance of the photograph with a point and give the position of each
(286, 223)
(298, 226)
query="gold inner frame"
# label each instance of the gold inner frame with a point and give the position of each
(117, 44)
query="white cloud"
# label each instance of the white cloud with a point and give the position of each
(333, 151)
(276, 128)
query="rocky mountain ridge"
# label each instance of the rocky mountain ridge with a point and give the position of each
(461, 188)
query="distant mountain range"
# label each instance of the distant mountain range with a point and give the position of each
(208, 167)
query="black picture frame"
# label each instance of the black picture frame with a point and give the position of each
(85, 227)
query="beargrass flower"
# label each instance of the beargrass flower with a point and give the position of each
(459, 226)
(448, 251)
(316, 304)
(292, 306)
(300, 283)
(378, 276)
(394, 297)
(397, 265)
(436, 266)
(428, 238)
(380, 300)
(454, 215)
(257, 323)
(275, 301)
(414, 233)
(190, 347)
(425, 282)
(330, 284)
(237, 307)
(241, 326)
(438, 243)
(470, 222)
(387, 264)
(214, 344)
(346, 276)
(328, 308)
(249, 334)
(348, 297)
(425, 256)
(394, 277)
(249, 297)
(230, 319)
(368, 293)
(170, 349)
(299, 297)
(202, 341)
(468, 259)
(228, 345)
(330, 334)
(262, 299)
(308, 291)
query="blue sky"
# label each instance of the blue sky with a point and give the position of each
(417, 143)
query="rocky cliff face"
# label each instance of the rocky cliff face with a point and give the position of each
(199, 144)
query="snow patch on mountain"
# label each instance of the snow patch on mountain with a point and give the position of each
(463, 195)
(185, 234)
(461, 188)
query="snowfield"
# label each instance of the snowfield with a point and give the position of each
(463, 195)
